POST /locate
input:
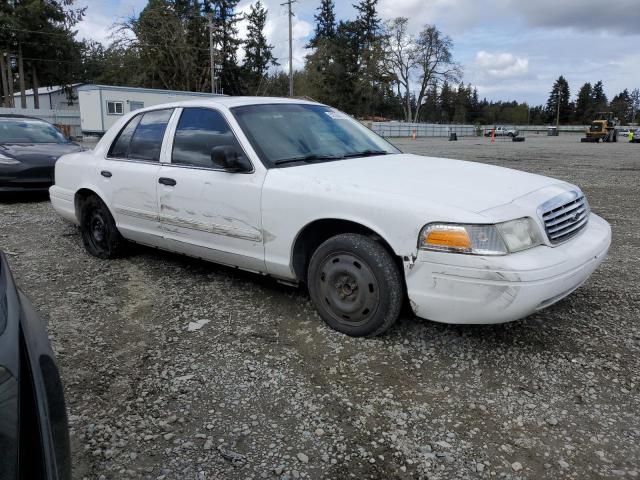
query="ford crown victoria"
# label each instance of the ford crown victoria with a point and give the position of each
(301, 192)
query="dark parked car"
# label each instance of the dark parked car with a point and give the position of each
(34, 436)
(29, 148)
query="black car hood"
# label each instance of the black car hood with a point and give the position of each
(38, 152)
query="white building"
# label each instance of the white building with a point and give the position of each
(52, 98)
(102, 105)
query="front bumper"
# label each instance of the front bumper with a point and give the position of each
(469, 289)
(25, 177)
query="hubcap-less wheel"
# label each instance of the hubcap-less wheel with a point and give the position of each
(349, 288)
(98, 230)
(100, 235)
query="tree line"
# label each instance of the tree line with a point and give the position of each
(367, 67)
(590, 101)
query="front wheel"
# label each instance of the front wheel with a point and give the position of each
(355, 285)
(99, 233)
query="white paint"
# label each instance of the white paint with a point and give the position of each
(251, 220)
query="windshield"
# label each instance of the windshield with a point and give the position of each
(29, 130)
(286, 134)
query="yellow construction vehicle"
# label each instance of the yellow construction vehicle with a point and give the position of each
(602, 128)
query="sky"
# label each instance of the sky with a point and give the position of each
(509, 49)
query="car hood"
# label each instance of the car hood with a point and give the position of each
(470, 186)
(38, 152)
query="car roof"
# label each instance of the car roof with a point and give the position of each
(15, 115)
(231, 102)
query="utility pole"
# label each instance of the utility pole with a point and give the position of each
(288, 3)
(4, 81)
(212, 55)
(558, 114)
(23, 96)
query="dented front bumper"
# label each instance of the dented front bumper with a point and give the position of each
(469, 289)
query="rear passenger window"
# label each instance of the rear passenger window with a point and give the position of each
(120, 148)
(147, 139)
(199, 131)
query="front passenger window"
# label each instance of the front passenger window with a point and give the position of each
(199, 131)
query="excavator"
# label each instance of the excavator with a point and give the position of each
(602, 128)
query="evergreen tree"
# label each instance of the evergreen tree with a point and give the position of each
(621, 106)
(559, 95)
(40, 33)
(368, 21)
(599, 98)
(343, 74)
(429, 111)
(226, 38)
(584, 104)
(446, 103)
(635, 104)
(258, 53)
(325, 23)
(370, 85)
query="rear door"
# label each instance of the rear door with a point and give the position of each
(129, 176)
(205, 210)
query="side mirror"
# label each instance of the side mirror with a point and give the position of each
(227, 157)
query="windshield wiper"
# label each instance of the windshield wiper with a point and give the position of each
(306, 158)
(365, 153)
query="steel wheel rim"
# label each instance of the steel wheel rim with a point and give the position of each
(97, 230)
(348, 288)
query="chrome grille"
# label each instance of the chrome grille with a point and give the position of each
(563, 220)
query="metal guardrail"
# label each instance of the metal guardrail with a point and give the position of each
(68, 119)
(401, 129)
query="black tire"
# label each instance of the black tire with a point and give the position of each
(355, 285)
(99, 233)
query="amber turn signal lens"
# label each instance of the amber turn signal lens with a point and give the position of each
(450, 238)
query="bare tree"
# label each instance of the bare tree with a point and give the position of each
(423, 61)
(400, 59)
(434, 62)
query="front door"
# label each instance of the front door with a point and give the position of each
(129, 176)
(205, 210)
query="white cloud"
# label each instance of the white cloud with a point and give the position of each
(101, 16)
(501, 65)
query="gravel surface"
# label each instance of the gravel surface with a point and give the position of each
(179, 369)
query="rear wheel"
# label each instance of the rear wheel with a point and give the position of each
(100, 235)
(355, 285)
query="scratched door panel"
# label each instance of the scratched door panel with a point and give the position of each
(214, 215)
(132, 192)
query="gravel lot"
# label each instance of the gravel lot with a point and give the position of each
(264, 390)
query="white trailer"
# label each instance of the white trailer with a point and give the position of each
(102, 105)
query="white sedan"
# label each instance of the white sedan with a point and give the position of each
(303, 193)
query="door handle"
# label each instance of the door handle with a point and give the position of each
(106, 173)
(167, 181)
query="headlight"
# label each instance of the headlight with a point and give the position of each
(500, 239)
(4, 160)
(520, 234)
